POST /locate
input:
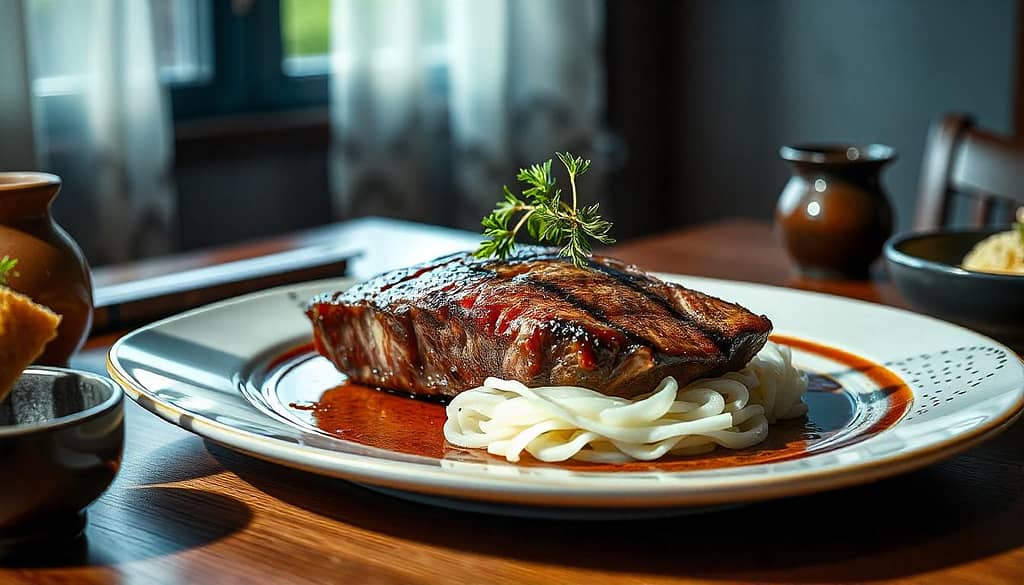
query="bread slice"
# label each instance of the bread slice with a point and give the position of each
(25, 329)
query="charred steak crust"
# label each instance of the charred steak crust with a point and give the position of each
(442, 327)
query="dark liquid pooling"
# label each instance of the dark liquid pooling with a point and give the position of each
(399, 423)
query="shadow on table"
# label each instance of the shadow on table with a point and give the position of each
(138, 523)
(951, 513)
(181, 460)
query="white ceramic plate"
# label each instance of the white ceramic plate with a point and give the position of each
(230, 372)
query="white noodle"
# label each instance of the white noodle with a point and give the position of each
(556, 423)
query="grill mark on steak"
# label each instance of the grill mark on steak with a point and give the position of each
(651, 323)
(631, 281)
(599, 315)
(587, 308)
(441, 327)
(723, 319)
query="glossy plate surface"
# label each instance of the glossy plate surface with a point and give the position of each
(895, 391)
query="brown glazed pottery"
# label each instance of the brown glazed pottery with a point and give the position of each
(51, 269)
(833, 215)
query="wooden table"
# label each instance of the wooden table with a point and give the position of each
(186, 511)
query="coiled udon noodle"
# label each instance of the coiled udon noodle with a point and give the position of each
(557, 423)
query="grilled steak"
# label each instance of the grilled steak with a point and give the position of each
(441, 327)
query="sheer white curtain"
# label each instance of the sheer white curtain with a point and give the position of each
(81, 98)
(435, 103)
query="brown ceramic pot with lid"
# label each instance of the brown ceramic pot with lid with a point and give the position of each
(833, 214)
(51, 269)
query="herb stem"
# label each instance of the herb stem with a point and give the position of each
(572, 181)
(522, 220)
(547, 217)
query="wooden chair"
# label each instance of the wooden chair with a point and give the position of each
(960, 159)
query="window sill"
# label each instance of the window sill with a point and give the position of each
(243, 135)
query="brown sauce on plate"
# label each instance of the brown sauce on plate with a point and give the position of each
(400, 423)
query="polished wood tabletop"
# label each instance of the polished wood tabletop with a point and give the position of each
(183, 510)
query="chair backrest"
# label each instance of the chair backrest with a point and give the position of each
(960, 159)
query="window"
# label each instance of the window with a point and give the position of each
(224, 57)
(182, 35)
(305, 34)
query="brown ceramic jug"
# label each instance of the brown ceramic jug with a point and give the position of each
(51, 269)
(833, 215)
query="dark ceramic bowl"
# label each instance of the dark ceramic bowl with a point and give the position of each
(61, 437)
(925, 267)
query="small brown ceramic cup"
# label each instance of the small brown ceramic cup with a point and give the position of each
(833, 215)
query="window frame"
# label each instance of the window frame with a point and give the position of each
(247, 67)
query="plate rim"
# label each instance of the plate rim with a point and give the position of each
(433, 480)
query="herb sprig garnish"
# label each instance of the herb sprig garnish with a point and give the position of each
(7, 265)
(547, 218)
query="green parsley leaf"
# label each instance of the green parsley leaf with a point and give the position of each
(546, 217)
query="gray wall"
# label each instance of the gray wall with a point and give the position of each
(224, 199)
(756, 75)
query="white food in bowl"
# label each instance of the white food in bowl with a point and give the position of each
(1002, 253)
